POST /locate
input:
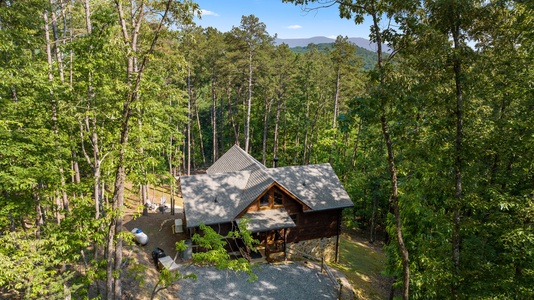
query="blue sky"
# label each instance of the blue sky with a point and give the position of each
(284, 19)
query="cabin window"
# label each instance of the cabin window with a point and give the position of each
(278, 198)
(264, 201)
(273, 198)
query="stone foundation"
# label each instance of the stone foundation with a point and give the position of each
(318, 248)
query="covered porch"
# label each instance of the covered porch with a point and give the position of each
(271, 228)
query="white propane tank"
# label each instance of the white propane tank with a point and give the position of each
(140, 236)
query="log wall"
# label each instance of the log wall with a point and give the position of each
(314, 225)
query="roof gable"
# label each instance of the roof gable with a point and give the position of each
(282, 189)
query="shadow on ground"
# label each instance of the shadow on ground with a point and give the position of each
(283, 281)
(158, 227)
(141, 274)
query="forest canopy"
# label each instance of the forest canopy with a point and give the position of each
(434, 143)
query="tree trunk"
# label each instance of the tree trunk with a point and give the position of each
(131, 98)
(56, 42)
(57, 209)
(39, 213)
(95, 162)
(39, 219)
(188, 120)
(249, 103)
(215, 154)
(393, 173)
(12, 226)
(118, 203)
(314, 138)
(75, 168)
(193, 151)
(457, 165)
(395, 202)
(373, 217)
(200, 134)
(306, 121)
(109, 254)
(355, 150)
(144, 192)
(221, 136)
(277, 120)
(53, 101)
(92, 128)
(229, 97)
(336, 99)
(265, 127)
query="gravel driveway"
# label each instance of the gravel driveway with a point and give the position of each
(293, 281)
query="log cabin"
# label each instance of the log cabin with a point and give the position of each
(283, 205)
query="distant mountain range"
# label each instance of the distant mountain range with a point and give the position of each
(360, 42)
(368, 57)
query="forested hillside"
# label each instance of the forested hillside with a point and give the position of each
(368, 58)
(434, 144)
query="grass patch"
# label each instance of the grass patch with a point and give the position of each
(362, 265)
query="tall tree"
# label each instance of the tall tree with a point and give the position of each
(376, 10)
(284, 59)
(455, 19)
(214, 60)
(250, 38)
(130, 25)
(343, 57)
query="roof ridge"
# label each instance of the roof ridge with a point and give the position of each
(250, 157)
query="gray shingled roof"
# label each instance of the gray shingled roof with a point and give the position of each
(212, 199)
(315, 185)
(235, 159)
(269, 219)
(234, 181)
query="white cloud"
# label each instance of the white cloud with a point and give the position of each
(208, 13)
(294, 27)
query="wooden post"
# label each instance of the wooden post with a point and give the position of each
(337, 236)
(285, 242)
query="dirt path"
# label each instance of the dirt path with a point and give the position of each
(141, 275)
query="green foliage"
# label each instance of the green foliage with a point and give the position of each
(69, 112)
(417, 92)
(217, 255)
(181, 246)
(367, 57)
(66, 109)
(35, 268)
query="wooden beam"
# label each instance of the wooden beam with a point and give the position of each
(285, 242)
(337, 237)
